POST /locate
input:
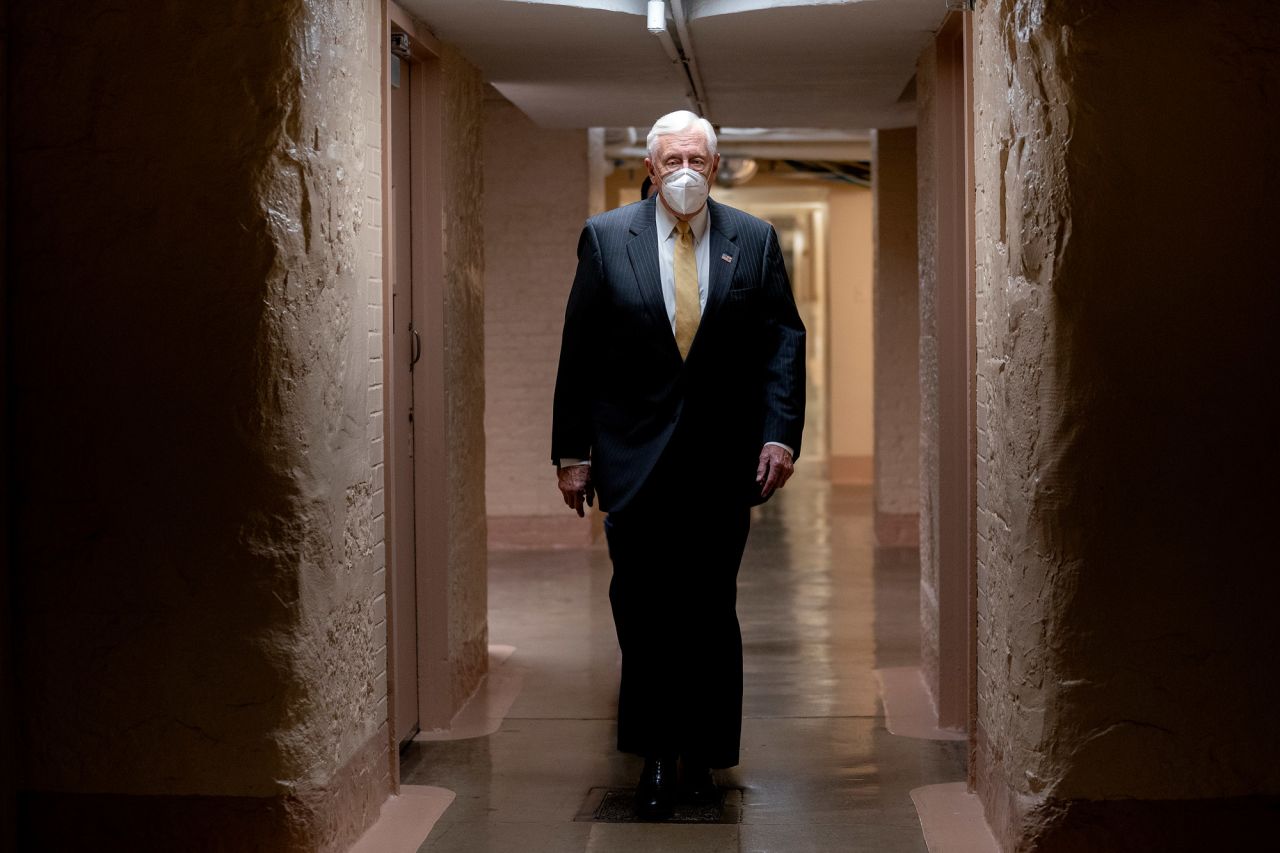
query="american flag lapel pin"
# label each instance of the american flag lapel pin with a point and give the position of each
(728, 259)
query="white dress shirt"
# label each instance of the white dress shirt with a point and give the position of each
(699, 224)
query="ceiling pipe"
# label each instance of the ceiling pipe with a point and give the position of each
(690, 61)
(657, 23)
(681, 54)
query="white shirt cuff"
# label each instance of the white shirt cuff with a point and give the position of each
(572, 463)
(783, 446)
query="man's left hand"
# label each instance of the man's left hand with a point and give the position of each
(776, 467)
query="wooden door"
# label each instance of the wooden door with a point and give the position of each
(405, 348)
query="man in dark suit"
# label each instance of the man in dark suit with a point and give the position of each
(679, 402)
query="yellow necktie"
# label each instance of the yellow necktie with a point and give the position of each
(688, 305)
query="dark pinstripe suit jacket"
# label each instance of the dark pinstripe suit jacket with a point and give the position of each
(622, 390)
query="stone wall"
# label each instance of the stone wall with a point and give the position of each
(1125, 193)
(198, 571)
(463, 267)
(897, 337)
(927, 251)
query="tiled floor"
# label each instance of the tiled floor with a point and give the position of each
(821, 610)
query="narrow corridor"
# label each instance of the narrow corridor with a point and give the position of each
(284, 290)
(821, 609)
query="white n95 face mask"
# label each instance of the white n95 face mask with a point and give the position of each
(685, 190)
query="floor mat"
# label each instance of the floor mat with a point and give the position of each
(615, 805)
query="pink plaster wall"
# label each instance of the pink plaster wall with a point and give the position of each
(1126, 189)
(897, 335)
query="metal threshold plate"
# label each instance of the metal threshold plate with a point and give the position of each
(614, 805)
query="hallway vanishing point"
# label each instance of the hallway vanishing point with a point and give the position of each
(821, 608)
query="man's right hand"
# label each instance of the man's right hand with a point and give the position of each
(575, 487)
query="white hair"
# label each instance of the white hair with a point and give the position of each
(678, 122)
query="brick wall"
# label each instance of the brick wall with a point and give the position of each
(372, 250)
(536, 199)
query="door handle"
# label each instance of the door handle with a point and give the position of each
(416, 352)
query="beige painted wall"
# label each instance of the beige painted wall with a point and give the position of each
(850, 343)
(622, 185)
(843, 256)
(799, 213)
(1127, 463)
(536, 200)
(200, 564)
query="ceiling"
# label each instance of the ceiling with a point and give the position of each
(829, 64)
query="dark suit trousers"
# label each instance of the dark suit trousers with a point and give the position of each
(674, 594)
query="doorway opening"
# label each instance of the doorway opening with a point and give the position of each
(413, 370)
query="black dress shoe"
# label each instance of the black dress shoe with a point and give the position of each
(699, 787)
(655, 793)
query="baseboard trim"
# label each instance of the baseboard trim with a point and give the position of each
(1047, 825)
(897, 529)
(406, 820)
(485, 710)
(952, 821)
(534, 532)
(315, 818)
(851, 470)
(908, 708)
(1174, 826)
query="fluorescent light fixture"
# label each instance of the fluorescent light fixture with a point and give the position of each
(657, 16)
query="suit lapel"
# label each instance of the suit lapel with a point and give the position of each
(723, 245)
(642, 250)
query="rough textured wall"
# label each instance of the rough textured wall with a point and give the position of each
(850, 345)
(464, 372)
(197, 571)
(536, 198)
(927, 250)
(1126, 191)
(897, 337)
